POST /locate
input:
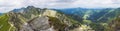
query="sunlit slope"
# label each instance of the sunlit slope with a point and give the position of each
(4, 25)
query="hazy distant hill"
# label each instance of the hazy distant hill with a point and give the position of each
(0, 13)
(93, 17)
(90, 14)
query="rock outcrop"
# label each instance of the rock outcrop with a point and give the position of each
(35, 19)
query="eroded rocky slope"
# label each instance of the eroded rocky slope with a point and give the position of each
(35, 19)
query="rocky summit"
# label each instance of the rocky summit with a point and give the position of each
(36, 19)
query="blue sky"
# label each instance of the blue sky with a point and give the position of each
(8, 5)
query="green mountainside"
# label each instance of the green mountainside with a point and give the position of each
(97, 19)
(37, 19)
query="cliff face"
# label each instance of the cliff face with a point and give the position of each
(36, 19)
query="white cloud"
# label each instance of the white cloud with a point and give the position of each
(96, 3)
(7, 5)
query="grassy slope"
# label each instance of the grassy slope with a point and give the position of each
(4, 25)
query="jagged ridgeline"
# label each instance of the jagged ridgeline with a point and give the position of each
(74, 19)
(36, 19)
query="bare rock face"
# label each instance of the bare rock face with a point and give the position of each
(35, 19)
(40, 24)
(26, 28)
(37, 24)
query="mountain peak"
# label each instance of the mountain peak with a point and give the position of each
(30, 7)
(36, 19)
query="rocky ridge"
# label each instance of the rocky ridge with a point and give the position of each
(36, 19)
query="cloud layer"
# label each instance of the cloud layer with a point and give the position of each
(7, 5)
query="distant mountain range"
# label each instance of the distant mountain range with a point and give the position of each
(84, 13)
(1, 13)
(92, 14)
(104, 16)
(69, 19)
